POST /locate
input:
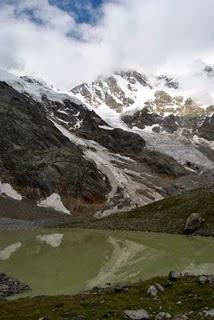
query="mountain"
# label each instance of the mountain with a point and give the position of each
(96, 149)
(159, 110)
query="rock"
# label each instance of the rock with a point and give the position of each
(180, 317)
(169, 124)
(209, 313)
(206, 130)
(152, 291)
(140, 314)
(168, 283)
(163, 316)
(211, 280)
(173, 275)
(193, 223)
(159, 287)
(203, 279)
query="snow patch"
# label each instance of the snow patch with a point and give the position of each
(7, 252)
(54, 239)
(106, 128)
(7, 189)
(54, 201)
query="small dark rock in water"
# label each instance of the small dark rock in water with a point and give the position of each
(193, 223)
(10, 286)
(173, 275)
(140, 314)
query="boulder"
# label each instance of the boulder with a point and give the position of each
(140, 314)
(209, 313)
(152, 291)
(193, 223)
(173, 275)
(159, 287)
(211, 280)
(203, 279)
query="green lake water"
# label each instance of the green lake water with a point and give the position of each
(65, 261)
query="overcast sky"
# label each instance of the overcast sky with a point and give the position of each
(72, 41)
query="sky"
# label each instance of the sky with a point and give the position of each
(67, 42)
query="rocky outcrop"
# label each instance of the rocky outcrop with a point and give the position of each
(10, 286)
(206, 130)
(116, 140)
(142, 118)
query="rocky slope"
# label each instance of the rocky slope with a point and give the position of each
(37, 159)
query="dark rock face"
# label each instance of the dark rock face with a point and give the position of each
(142, 118)
(10, 286)
(120, 141)
(169, 124)
(162, 164)
(206, 130)
(37, 158)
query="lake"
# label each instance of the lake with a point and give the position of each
(67, 261)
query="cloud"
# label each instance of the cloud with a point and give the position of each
(41, 40)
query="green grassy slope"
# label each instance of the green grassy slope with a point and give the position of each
(168, 215)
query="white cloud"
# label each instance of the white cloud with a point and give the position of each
(129, 33)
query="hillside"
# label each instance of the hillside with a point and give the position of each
(168, 215)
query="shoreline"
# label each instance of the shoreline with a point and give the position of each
(181, 296)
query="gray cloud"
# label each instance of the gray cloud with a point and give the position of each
(148, 34)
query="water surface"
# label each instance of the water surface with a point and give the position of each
(68, 261)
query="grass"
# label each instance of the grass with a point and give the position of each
(168, 215)
(192, 296)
